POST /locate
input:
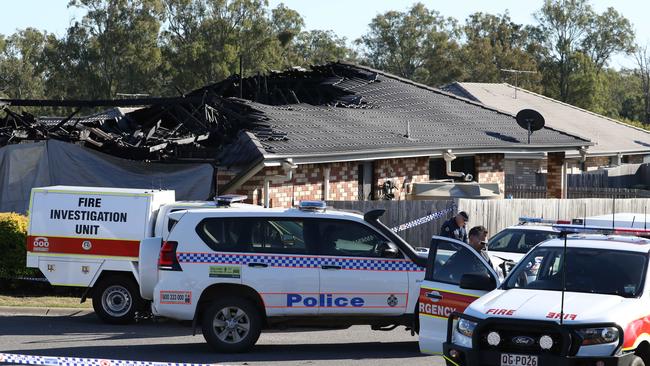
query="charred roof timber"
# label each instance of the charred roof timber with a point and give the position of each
(337, 108)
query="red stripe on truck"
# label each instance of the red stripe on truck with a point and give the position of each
(87, 246)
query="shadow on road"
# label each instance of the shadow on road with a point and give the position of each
(201, 353)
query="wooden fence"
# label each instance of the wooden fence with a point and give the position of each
(495, 215)
(523, 191)
(401, 212)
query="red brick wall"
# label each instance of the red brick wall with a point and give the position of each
(490, 169)
(401, 172)
(634, 159)
(554, 182)
(307, 182)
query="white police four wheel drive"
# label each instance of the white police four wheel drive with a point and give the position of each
(602, 319)
(235, 272)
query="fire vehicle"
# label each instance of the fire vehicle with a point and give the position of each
(89, 237)
(580, 299)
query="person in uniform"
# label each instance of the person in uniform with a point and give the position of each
(455, 227)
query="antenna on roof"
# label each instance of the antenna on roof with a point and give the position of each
(517, 72)
(530, 120)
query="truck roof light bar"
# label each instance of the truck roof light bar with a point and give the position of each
(312, 205)
(228, 199)
(579, 229)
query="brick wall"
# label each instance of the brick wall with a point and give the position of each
(554, 177)
(402, 172)
(633, 159)
(490, 169)
(307, 182)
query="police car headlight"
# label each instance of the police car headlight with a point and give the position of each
(603, 335)
(466, 327)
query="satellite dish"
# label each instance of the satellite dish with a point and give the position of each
(530, 120)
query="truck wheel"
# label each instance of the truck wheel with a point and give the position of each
(116, 299)
(232, 324)
(637, 361)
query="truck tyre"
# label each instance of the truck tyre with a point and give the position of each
(637, 361)
(231, 324)
(116, 299)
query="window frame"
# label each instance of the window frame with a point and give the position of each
(320, 222)
(433, 253)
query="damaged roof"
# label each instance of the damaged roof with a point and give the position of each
(610, 137)
(349, 110)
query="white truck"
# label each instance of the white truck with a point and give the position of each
(90, 237)
(582, 300)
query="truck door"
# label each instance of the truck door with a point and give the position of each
(358, 275)
(455, 276)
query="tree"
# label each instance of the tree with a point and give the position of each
(493, 43)
(417, 44)
(319, 47)
(643, 72)
(21, 64)
(573, 29)
(121, 37)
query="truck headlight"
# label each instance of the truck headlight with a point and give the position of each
(466, 327)
(591, 336)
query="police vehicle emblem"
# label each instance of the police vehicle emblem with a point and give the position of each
(523, 341)
(85, 269)
(392, 301)
(50, 267)
(86, 245)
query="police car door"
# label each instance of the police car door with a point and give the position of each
(442, 292)
(357, 276)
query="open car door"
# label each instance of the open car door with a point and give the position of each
(455, 276)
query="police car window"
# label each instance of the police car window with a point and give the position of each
(348, 238)
(531, 238)
(253, 235)
(452, 261)
(501, 241)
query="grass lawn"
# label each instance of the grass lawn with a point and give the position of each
(45, 302)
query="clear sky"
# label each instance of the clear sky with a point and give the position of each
(348, 18)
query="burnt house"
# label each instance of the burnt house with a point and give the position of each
(337, 132)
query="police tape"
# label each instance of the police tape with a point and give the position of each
(9, 358)
(424, 220)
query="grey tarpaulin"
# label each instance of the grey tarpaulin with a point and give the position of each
(45, 163)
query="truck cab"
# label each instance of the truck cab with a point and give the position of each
(578, 300)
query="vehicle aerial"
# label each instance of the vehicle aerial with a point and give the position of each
(236, 272)
(90, 236)
(602, 317)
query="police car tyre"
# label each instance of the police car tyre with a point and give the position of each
(116, 299)
(637, 361)
(231, 324)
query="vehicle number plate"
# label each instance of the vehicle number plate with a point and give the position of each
(508, 359)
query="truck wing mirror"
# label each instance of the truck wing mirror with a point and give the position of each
(477, 281)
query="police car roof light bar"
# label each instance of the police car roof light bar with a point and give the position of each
(228, 199)
(538, 220)
(312, 205)
(580, 229)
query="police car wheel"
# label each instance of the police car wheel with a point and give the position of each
(637, 361)
(116, 299)
(231, 324)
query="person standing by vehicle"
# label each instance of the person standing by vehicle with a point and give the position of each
(455, 227)
(478, 241)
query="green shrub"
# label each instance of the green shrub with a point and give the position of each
(13, 233)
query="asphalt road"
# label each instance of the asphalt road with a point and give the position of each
(85, 336)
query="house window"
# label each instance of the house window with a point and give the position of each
(464, 164)
(364, 176)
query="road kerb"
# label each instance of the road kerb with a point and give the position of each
(42, 311)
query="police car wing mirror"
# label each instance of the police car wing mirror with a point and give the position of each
(388, 250)
(477, 281)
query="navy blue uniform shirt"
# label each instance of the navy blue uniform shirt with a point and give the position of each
(451, 230)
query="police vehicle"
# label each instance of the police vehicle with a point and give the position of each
(237, 272)
(579, 299)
